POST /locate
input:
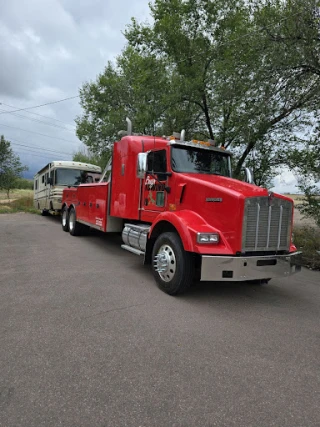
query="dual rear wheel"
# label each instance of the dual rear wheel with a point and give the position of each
(69, 222)
(65, 219)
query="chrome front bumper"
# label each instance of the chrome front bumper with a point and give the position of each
(227, 268)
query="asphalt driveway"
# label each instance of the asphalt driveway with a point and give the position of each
(87, 339)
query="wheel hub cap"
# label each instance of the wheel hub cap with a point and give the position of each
(165, 263)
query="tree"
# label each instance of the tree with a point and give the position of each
(86, 156)
(243, 73)
(235, 66)
(10, 166)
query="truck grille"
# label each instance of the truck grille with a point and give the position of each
(266, 224)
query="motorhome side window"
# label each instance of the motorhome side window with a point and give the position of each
(42, 179)
(36, 184)
(157, 163)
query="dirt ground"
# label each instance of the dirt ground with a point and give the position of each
(299, 220)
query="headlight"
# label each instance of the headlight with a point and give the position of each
(208, 238)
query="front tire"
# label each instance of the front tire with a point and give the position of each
(65, 219)
(172, 266)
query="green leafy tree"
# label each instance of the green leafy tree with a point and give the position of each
(10, 167)
(86, 156)
(24, 184)
(311, 204)
(233, 64)
(246, 74)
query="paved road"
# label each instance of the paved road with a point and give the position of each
(87, 339)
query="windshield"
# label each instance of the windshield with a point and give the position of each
(197, 160)
(74, 177)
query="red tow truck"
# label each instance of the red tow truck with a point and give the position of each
(176, 204)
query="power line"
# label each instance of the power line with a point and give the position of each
(9, 138)
(42, 105)
(39, 121)
(33, 147)
(37, 133)
(45, 156)
(37, 114)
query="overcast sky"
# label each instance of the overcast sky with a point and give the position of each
(48, 49)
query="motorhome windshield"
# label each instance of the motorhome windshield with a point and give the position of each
(73, 176)
(197, 160)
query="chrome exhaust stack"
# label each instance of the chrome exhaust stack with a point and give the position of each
(129, 126)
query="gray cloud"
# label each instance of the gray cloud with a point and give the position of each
(48, 49)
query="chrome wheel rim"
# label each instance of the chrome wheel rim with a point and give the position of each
(165, 263)
(64, 218)
(71, 221)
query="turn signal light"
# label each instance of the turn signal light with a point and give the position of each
(208, 238)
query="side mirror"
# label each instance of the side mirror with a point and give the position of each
(141, 165)
(248, 176)
(49, 180)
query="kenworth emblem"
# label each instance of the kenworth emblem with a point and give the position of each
(213, 199)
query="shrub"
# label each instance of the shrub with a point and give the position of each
(307, 240)
(24, 204)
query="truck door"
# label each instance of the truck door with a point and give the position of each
(154, 194)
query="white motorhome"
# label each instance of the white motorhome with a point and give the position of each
(51, 180)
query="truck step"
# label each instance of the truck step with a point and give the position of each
(133, 250)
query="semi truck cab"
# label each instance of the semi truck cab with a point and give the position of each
(176, 204)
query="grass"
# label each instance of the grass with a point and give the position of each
(297, 198)
(307, 240)
(16, 194)
(23, 203)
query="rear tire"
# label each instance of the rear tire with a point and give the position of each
(65, 219)
(75, 228)
(44, 212)
(172, 266)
